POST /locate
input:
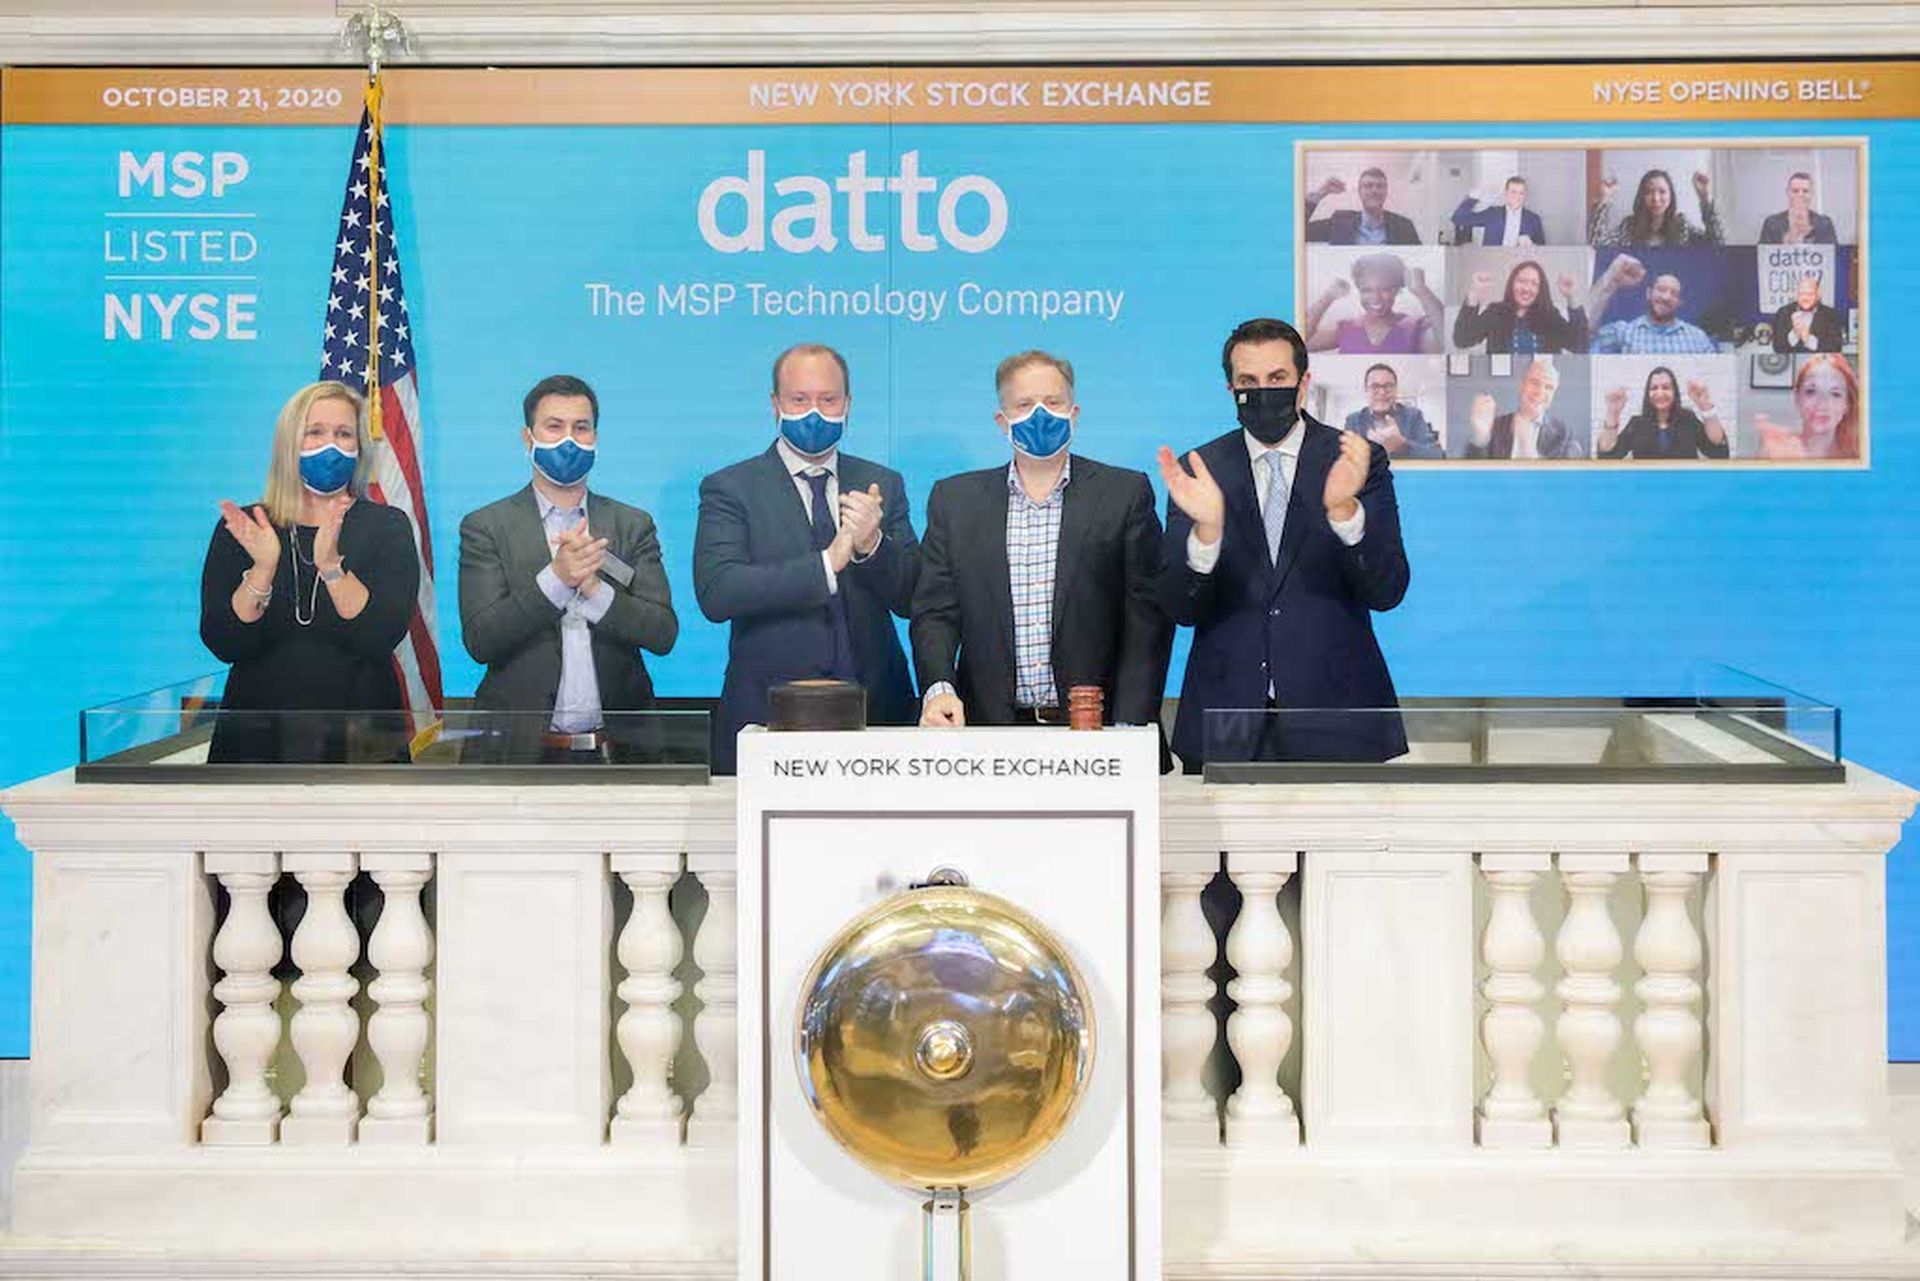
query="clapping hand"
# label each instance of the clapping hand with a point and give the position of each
(1608, 186)
(1388, 436)
(254, 532)
(326, 537)
(1197, 494)
(1480, 288)
(1616, 402)
(1566, 283)
(1480, 418)
(860, 515)
(1703, 185)
(578, 556)
(1347, 475)
(1777, 442)
(1697, 392)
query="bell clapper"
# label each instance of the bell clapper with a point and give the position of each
(947, 1252)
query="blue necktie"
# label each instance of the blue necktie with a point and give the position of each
(1273, 512)
(841, 667)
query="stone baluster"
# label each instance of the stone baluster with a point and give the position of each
(649, 1029)
(247, 1029)
(715, 952)
(1668, 1113)
(1588, 1115)
(1511, 1114)
(399, 951)
(325, 1027)
(1187, 950)
(1260, 950)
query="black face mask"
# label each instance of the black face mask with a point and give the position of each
(1268, 413)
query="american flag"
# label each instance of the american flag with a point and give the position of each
(368, 345)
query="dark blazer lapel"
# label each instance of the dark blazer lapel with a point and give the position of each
(1076, 516)
(528, 536)
(993, 537)
(1309, 479)
(783, 496)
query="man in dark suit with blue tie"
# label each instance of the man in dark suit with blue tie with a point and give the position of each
(1282, 536)
(1508, 223)
(808, 552)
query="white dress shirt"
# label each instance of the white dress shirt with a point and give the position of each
(576, 703)
(1202, 557)
(1510, 230)
(799, 468)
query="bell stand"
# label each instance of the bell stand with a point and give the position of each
(947, 1239)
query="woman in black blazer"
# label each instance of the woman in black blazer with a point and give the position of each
(306, 593)
(1664, 427)
(1524, 322)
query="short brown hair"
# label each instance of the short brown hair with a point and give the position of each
(813, 349)
(1023, 359)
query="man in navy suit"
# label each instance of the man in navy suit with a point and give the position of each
(809, 553)
(1282, 536)
(1508, 223)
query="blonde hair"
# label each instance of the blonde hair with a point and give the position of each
(1025, 360)
(284, 488)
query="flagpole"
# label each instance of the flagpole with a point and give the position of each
(374, 428)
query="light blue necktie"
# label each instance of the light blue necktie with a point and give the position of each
(1273, 512)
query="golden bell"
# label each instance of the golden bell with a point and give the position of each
(945, 1038)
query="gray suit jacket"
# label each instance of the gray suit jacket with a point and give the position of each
(509, 624)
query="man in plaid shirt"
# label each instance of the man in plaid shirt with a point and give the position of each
(1660, 331)
(1038, 575)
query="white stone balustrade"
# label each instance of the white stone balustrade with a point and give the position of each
(1639, 1014)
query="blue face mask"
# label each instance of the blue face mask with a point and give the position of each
(566, 463)
(813, 432)
(327, 470)
(1042, 433)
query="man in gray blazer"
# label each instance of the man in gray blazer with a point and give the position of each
(559, 591)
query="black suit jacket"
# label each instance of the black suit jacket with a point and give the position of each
(1773, 229)
(755, 567)
(1342, 227)
(1826, 328)
(1107, 629)
(508, 623)
(1301, 622)
(1554, 440)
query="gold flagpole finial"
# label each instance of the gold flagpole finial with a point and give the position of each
(372, 32)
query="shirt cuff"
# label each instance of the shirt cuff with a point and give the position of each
(553, 589)
(860, 558)
(1351, 530)
(938, 687)
(833, 579)
(1202, 557)
(594, 608)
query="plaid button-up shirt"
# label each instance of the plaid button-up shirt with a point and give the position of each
(1641, 337)
(1033, 545)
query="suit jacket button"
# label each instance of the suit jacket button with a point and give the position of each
(1273, 613)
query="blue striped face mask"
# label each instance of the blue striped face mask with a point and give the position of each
(812, 432)
(327, 470)
(1041, 433)
(565, 462)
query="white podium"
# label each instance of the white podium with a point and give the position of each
(1065, 825)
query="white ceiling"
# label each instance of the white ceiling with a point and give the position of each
(573, 31)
